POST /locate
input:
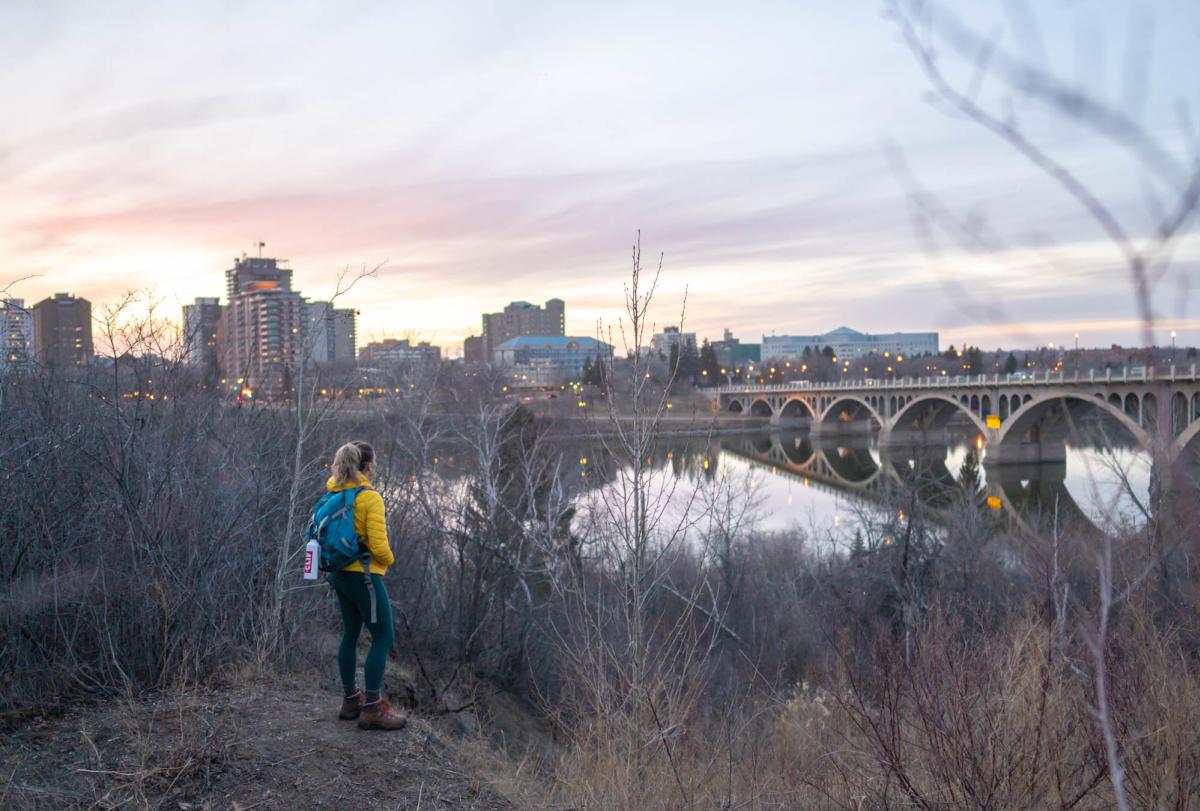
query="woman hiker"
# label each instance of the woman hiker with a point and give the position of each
(353, 466)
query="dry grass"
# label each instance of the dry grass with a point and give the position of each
(1001, 721)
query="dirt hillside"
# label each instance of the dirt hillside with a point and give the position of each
(266, 746)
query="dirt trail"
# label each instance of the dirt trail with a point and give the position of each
(277, 746)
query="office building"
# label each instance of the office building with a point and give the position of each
(201, 323)
(16, 333)
(522, 318)
(671, 338)
(333, 335)
(547, 360)
(731, 353)
(849, 343)
(263, 325)
(62, 331)
(399, 352)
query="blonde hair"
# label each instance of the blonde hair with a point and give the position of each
(350, 461)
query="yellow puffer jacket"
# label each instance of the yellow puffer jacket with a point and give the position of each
(370, 522)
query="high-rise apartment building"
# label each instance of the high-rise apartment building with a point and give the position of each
(522, 318)
(201, 323)
(671, 338)
(473, 349)
(263, 326)
(16, 332)
(333, 335)
(62, 331)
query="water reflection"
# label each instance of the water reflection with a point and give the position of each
(799, 478)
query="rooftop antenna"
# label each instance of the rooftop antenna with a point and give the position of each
(261, 245)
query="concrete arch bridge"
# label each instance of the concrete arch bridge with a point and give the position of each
(1021, 419)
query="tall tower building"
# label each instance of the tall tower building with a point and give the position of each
(263, 326)
(16, 332)
(522, 318)
(62, 331)
(201, 323)
(333, 333)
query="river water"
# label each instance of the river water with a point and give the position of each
(796, 481)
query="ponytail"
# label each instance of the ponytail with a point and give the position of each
(350, 461)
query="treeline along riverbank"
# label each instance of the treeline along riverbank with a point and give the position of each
(682, 661)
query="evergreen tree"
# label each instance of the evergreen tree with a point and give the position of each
(974, 360)
(969, 479)
(599, 376)
(708, 363)
(821, 366)
(689, 362)
(1010, 364)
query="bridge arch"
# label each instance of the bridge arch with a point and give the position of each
(1179, 413)
(849, 409)
(1186, 442)
(1133, 408)
(796, 407)
(1149, 410)
(761, 408)
(853, 467)
(934, 411)
(799, 452)
(735, 406)
(1037, 408)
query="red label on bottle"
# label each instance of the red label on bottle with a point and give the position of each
(308, 561)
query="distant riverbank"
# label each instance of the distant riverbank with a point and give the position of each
(668, 425)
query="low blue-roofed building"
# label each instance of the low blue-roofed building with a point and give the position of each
(548, 360)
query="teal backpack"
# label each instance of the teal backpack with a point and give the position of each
(332, 526)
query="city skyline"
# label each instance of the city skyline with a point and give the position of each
(504, 156)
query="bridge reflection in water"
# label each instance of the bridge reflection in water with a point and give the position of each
(1023, 494)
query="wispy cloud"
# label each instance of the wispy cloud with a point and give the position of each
(488, 166)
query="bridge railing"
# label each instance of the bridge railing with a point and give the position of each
(1137, 374)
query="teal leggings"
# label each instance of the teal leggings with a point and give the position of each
(355, 602)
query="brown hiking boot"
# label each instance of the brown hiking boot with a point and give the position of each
(351, 706)
(381, 715)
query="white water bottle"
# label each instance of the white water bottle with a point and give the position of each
(312, 560)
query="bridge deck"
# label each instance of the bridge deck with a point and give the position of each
(1173, 374)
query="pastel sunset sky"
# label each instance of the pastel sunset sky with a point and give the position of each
(487, 152)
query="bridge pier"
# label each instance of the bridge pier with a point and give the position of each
(840, 428)
(797, 423)
(911, 438)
